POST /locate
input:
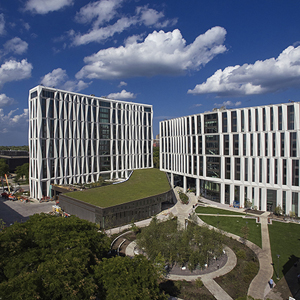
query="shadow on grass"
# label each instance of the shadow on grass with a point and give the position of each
(291, 270)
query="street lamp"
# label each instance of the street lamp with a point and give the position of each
(278, 267)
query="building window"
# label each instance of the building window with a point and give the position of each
(242, 121)
(295, 172)
(233, 121)
(264, 119)
(256, 119)
(235, 147)
(249, 119)
(274, 144)
(213, 167)
(295, 203)
(237, 169)
(251, 144)
(211, 123)
(226, 144)
(290, 117)
(260, 170)
(244, 144)
(212, 144)
(266, 144)
(258, 144)
(276, 171)
(253, 169)
(200, 144)
(201, 165)
(280, 118)
(293, 144)
(268, 170)
(224, 121)
(284, 202)
(246, 169)
(198, 124)
(271, 118)
(282, 143)
(227, 167)
(284, 171)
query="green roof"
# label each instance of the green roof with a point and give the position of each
(142, 184)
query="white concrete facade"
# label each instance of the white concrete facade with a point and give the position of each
(75, 138)
(237, 155)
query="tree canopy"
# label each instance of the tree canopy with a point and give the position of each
(4, 168)
(22, 171)
(192, 247)
(50, 257)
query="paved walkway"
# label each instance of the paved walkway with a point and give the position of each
(259, 287)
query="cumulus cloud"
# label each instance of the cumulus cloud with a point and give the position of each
(58, 78)
(161, 53)
(2, 24)
(13, 70)
(267, 76)
(45, 6)
(122, 83)
(13, 122)
(122, 95)
(101, 12)
(5, 101)
(15, 45)
(228, 103)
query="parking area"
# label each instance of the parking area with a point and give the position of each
(17, 211)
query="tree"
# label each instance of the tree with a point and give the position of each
(278, 210)
(50, 257)
(156, 157)
(22, 171)
(128, 279)
(4, 168)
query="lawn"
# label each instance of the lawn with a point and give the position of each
(285, 241)
(234, 225)
(142, 184)
(213, 210)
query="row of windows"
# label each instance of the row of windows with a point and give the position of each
(258, 144)
(232, 168)
(257, 119)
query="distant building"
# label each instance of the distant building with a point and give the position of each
(75, 138)
(14, 158)
(237, 155)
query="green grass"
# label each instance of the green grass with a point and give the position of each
(234, 225)
(213, 210)
(285, 241)
(142, 184)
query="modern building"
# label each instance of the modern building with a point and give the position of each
(237, 156)
(14, 158)
(75, 138)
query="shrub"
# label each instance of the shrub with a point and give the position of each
(199, 283)
(241, 254)
(184, 198)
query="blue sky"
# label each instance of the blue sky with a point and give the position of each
(183, 57)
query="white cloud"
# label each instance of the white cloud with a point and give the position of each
(15, 45)
(55, 78)
(58, 78)
(161, 53)
(101, 12)
(122, 83)
(2, 24)
(5, 101)
(46, 6)
(13, 70)
(228, 103)
(151, 17)
(122, 95)
(13, 122)
(267, 76)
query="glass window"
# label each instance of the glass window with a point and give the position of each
(276, 171)
(284, 171)
(213, 167)
(200, 144)
(258, 144)
(266, 144)
(264, 119)
(227, 167)
(280, 117)
(198, 124)
(268, 170)
(224, 121)
(253, 169)
(293, 144)
(242, 121)
(226, 144)
(284, 202)
(33, 95)
(233, 121)
(246, 169)
(271, 118)
(256, 119)
(212, 144)
(290, 117)
(249, 119)
(235, 141)
(237, 169)
(211, 123)
(260, 170)
(295, 172)
(282, 143)
(244, 144)
(274, 144)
